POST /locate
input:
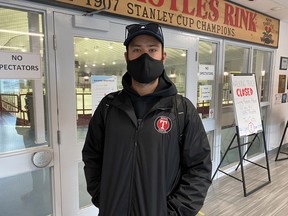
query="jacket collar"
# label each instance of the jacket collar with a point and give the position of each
(123, 102)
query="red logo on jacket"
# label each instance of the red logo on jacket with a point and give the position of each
(163, 124)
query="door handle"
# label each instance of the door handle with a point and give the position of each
(42, 158)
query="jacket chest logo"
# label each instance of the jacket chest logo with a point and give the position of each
(163, 124)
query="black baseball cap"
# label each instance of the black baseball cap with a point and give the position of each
(152, 29)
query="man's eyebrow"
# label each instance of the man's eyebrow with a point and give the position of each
(149, 45)
(154, 45)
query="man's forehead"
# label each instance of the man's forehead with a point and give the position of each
(145, 39)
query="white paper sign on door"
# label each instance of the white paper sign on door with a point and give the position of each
(19, 65)
(205, 92)
(206, 72)
(100, 87)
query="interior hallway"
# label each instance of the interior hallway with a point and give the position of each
(226, 198)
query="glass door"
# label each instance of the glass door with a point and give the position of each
(84, 57)
(207, 97)
(243, 59)
(261, 67)
(236, 61)
(26, 154)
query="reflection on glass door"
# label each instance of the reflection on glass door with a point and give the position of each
(206, 79)
(101, 60)
(206, 87)
(261, 67)
(236, 62)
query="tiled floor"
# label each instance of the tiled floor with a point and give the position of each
(225, 196)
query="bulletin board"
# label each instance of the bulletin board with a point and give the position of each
(246, 104)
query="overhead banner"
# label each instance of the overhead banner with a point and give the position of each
(216, 17)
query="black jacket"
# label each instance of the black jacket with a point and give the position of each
(136, 167)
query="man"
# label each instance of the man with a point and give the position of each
(138, 162)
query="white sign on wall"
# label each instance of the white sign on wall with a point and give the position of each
(19, 65)
(206, 72)
(100, 87)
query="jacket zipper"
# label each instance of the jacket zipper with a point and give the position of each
(139, 121)
(133, 165)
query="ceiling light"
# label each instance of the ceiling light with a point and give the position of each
(172, 75)
(263, 73)
(10, 47)
(22, 33)
(275, 8)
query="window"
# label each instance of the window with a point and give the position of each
(262, 69)
(206, 79)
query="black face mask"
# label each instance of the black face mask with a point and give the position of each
(145, 69)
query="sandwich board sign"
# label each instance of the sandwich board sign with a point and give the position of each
(246, 104)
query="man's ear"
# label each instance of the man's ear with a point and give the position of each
(164, 57)
(126, 56)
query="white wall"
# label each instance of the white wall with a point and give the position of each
(279, 111)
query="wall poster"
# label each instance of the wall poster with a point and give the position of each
(281, 83)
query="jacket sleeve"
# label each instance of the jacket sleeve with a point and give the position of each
(92, 153)
(189, 195)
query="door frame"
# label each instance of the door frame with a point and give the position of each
(21, 161)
